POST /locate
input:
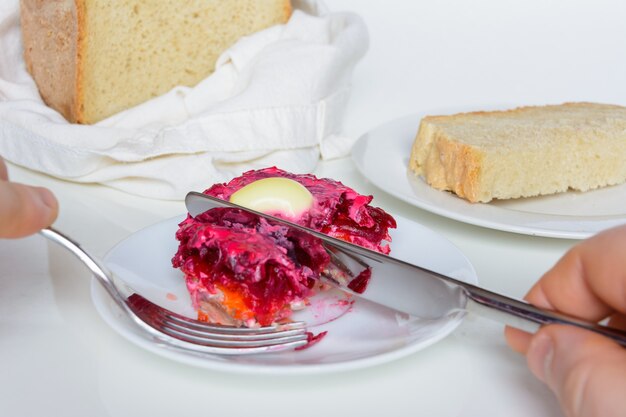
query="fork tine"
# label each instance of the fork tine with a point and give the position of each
(148, 310)
(233, 339)
(209, 340)
(201, 325)
(229, 333)
(225, 339)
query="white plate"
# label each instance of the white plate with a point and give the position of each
(364, 335)
(382, 156)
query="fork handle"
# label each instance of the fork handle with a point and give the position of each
(96, 267)
(524, 316)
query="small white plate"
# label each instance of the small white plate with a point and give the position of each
(362, 335)
(382, 156)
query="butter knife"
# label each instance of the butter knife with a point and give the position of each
(412, 289)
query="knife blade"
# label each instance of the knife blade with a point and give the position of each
(409, 288)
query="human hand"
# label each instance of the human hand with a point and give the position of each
(24, 209)
(586, 371)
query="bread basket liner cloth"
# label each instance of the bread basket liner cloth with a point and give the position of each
(277, 97)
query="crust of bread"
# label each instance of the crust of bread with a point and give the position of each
(522, 152)
(50, 51)
(444, 163)
(287, 10)
(78, 111)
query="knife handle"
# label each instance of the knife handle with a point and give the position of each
(526, 317)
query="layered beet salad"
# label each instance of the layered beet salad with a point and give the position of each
(241, 270)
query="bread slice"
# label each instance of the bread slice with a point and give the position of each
(524, 152)
(93, 58)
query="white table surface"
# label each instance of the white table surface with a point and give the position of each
(58, 357)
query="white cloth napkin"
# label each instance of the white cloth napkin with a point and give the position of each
(277, 97)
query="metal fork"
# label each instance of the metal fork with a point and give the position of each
(177, 332)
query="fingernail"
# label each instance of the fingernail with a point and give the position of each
(539, 356)
(47, 197)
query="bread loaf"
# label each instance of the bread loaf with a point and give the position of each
(93, 58)
(524, 152)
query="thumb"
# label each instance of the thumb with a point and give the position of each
(24, 209)
(586, 371)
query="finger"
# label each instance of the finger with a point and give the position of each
(4, 173)
(585, 371)
(589, 281)
(24, 210)
(517, 339)
(617, 321)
